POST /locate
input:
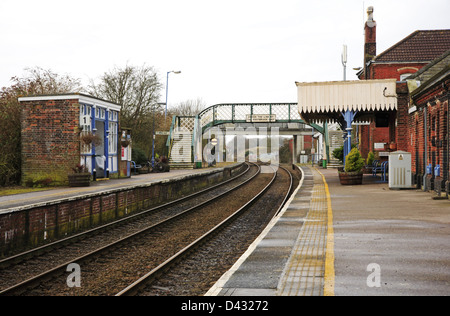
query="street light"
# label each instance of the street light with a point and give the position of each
(167, 88)
(154, 136)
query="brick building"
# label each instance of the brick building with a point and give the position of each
(428, 123)
(398, 62)
(53, 129)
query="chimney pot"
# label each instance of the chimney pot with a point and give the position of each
(370, 47)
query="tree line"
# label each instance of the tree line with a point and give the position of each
(137, 88)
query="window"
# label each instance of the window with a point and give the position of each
(112, 126)
(405, 76)
(85, 124)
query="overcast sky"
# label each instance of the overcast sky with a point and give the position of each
(233, 51)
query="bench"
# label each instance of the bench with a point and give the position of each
(383, 169)
(374, 165)
(136, 168)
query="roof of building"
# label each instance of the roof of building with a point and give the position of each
(432, 68)
(83, 98)
(429, 75)
(420, 46)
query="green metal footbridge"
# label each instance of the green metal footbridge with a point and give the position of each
(185, 129)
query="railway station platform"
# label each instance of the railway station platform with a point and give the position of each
(18, 201)
(334, 240)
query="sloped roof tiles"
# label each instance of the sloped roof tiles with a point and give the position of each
(420, 46)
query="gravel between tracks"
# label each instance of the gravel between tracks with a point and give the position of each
(22, 271)
(110, 273)
(195, 275)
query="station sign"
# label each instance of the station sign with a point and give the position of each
(261, 118)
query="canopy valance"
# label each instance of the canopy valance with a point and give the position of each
(326, 101)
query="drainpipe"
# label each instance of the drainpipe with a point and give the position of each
(448, 140)
(425, 123)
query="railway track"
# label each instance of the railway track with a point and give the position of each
(155, 238)
(197, 267)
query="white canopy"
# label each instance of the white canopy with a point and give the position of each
(325, 101)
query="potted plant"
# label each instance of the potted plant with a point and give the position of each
(163, 164)
(393, 146)
(352, 174)
(90, 138)
(338, 153)
(81, 177)
(124, 142)
(369, 163)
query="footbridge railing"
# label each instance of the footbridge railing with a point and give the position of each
(220, 114)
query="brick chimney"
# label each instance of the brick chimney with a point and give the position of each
(370, 43)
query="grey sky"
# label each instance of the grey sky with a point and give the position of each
(228, 51)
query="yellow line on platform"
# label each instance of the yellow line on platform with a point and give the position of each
(329, 278)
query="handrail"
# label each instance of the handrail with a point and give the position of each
(209, 117)
(170, 138)
(238, 113)
(194, 137)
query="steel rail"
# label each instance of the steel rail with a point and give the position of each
(161, 269)
(291, 179)
(23, 286)
(72, 239)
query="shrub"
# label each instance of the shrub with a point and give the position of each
(338, 153)
(79, 168)
(370, 158)
(354, 161)
(138, 156)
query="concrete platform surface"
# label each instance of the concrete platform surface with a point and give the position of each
(348, 241)
(389, 242)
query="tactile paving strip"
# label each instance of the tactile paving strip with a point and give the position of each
(304, 272)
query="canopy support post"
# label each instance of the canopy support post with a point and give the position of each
(349, 116)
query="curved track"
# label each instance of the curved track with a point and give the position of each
(196, 268)
(140, 245)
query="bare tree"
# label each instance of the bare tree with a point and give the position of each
(137, 90)
(45, 81)
(37, 81)
(189, 107)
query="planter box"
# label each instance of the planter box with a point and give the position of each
(79, 179)
(351, 178)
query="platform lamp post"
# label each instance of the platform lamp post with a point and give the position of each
(167, 88)
(154, 133)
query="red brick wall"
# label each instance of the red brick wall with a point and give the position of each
(391, 71)
(307, 142)
(50, 144)
(380, 134)
(32, 226)
(436, 103)
(397, 132)
(401, 128)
